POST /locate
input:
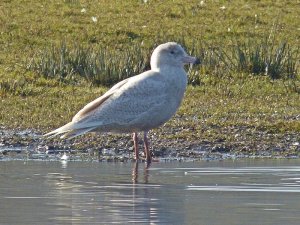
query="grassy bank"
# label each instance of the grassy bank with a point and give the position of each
(229, 98)
(237, 101)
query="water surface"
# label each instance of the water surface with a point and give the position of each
(209, 193)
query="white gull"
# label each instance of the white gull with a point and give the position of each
(139, 103)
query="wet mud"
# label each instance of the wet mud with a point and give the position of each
(31, 145)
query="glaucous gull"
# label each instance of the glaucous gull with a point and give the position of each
(139, 103)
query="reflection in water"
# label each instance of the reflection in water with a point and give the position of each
(135, 173)
(64, 164)
(226, 193)
(251, 186)
(79, 200)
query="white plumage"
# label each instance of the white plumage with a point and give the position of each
(139, 103)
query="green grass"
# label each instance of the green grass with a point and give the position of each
(256, 102)
(235, 44)
(102, 66)
(97, 66)
(27, 26)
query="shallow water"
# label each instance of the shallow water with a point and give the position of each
(209, 193)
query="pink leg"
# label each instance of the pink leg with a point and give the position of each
(146, 145)
(136, 146)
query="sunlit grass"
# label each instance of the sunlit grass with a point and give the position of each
(99, 66)
(104, 66)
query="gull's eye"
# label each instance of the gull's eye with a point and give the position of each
(172, 52)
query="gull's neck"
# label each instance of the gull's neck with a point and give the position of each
(175, 76)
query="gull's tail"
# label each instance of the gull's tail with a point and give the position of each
(68, 131)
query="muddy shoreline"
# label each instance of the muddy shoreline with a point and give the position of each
(29, 144)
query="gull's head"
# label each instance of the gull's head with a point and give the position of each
(170, 54)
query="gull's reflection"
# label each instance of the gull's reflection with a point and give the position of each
(135, 173)
(85, 198)
(142, 198)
